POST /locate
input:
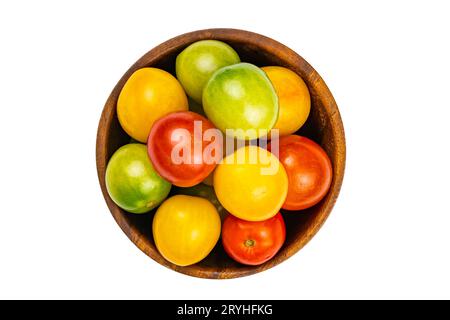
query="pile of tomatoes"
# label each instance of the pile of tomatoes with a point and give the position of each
(202, 188)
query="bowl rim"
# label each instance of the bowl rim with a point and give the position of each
(249, 38)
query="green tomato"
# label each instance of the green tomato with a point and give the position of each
(241, 97)
(206, 192)
(132, 182)
(196, 64)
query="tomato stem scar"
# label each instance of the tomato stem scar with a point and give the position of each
(249, 243)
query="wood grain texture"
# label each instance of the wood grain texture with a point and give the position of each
(324, 126)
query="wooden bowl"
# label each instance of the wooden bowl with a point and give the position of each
(323, 126)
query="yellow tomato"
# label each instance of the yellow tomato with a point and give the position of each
(148, 95)
(186, 229)
(234, 144)
(293, 99)
(251, 183)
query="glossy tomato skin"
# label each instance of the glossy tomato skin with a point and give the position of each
(293, 99)
(253, 243)
(186, 229)
(195, 64)
(132, 182)
(148, 95)
(165, 136)
(242, 98)
(251, 190)
(309, 171)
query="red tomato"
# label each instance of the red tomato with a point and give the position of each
(309, 171)
(253, 242)
(180, 150)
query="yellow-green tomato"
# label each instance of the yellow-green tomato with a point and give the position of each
(196, 64)
(186, 229)
(241, 98)
(132, 182)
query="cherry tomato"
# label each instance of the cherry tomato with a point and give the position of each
(309, 171)
(132, 182)
(186, 229)
(242, 98)
(181, 150)
(148, 95)
(196, 64)
(251, 184)
(250, 242)
(293, 99)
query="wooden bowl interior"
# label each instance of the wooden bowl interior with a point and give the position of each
(323, 126)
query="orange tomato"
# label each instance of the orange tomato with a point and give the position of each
(293, 99)
(148, 95)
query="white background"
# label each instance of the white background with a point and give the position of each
(387, 64)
